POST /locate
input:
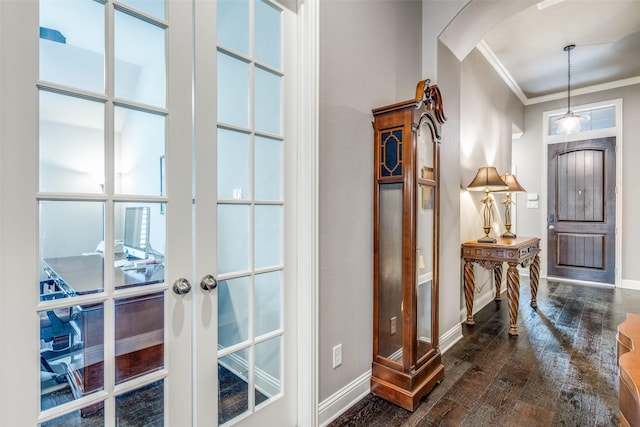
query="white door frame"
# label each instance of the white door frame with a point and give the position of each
(308, 128)
(547, 139)
(14, 157)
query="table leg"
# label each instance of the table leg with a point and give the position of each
(534, 276)
(513, 296)
(468, 290)
(497, 275)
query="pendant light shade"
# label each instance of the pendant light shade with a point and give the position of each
(569, 122)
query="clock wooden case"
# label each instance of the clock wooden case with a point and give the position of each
(406, 352)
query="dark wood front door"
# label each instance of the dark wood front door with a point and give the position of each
(581, 210)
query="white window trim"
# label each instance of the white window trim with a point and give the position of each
(615, 131)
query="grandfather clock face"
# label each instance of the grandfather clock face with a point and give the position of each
(425, 154)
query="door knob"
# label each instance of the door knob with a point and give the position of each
(208, 283)
(181, 286)
(552, 227)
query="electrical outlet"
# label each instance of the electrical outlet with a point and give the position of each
(394, 322)
(337, 356)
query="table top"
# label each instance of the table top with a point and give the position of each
(84, 274)
(504, 242)
(516, 249)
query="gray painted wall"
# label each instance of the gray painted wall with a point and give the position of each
(370, 56)
(529, 153)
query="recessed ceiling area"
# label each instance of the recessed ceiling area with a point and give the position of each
(527, 48)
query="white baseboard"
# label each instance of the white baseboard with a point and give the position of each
(630, 284)
(336, 404)
(333, 406)
(481, 302)
(449, 338)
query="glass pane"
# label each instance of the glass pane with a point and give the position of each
(603, 118)
(390, 272)
(139, 146)
(268, 302)
(72, 43)
(233, 311)
(233, 165)
(553, 127)
(267, 37)
(140, 66)
(233, 391)
(139, 243)
(71, 144)
(268, 169)
(233, 90)
(70, 234)
(75, 418)
(424, 261)
(233, 25)
(154, 8)
(141, 407)
(139, 333)
(268, 236)
(71, 355)
(425, 154)
(268, 375)
(268, 106)
(233, 238)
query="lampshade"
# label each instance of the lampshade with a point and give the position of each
(512, 184)
(487, 179)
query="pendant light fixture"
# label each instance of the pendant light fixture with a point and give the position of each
(568, 122)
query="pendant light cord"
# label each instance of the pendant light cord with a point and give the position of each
(568, 49)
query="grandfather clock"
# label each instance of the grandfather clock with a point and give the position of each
(406, 352)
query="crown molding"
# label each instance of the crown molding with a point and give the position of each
(508, 79)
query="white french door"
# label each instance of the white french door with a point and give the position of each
(148, 212)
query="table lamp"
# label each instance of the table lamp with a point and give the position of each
(487, 179)
(514, 187)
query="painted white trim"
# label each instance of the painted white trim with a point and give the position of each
(339, 402)
(580, 282)
(449, 338)
(482, 301)
(307, 199)
(336, 404)
(584, 91)
(493, 60)
(617, 132)
(630, 284)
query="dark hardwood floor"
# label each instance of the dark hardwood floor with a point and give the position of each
(561, 369)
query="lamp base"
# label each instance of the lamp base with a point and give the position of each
(486, 239)
(509, 235)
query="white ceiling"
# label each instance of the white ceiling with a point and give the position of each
(527, 48)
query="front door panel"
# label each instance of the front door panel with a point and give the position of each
(581, 214)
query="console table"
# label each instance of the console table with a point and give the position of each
(514, 251)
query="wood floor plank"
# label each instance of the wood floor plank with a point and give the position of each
(561, 370)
